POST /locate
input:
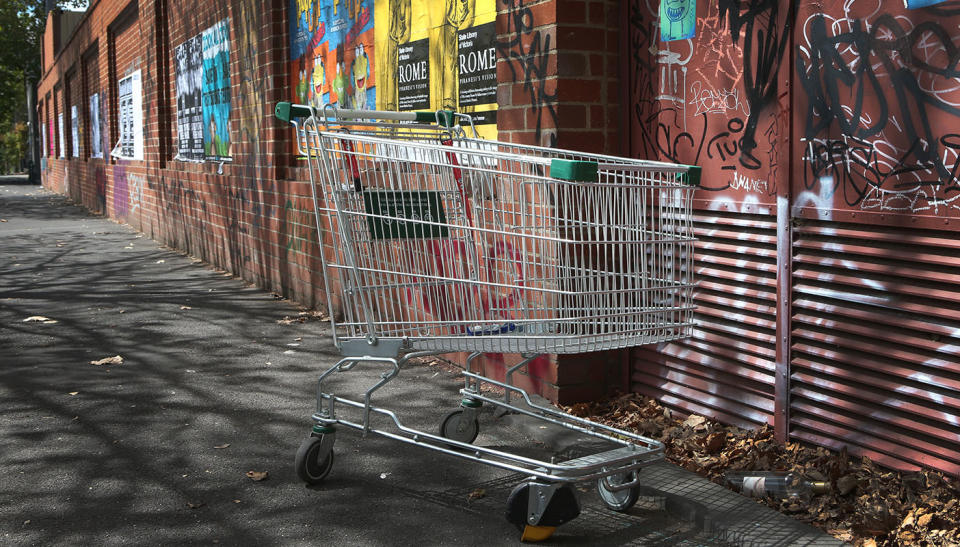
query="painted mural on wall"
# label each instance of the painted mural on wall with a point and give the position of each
(879, 108)
(712, 99)
(215, 97)
(130, 118)
(421, 55)
(189, 78)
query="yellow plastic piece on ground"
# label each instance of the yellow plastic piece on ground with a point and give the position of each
(537, 533)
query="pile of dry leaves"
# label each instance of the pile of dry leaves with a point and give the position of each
(868, 505)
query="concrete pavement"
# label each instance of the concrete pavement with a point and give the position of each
(212, 385)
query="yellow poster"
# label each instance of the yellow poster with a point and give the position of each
(438, 54)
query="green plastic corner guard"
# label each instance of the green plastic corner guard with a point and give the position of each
(285, 111)
(575, 171)
(441, 117)
(692, 176)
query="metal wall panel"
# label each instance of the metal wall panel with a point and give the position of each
(876, 338)
(726, 369)
(829, 261)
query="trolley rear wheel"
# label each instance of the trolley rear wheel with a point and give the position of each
(619, 500)
(563, 506)
(312, 464)
(458, 427)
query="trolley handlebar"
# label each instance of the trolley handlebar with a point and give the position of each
(285, 111)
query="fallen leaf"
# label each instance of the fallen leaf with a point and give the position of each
(236, 501)
(257, 475)
(694, 420)
(869, 542)
(115, 360)
(73, 393)
(219, 446)
(38, 318)
(384, 475)
(161, 261)
(195, 504)
(185, 308)
(925, 520)
(477, 494)
(846, 484)
(5, 220)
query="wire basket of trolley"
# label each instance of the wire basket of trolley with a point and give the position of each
(443, 242)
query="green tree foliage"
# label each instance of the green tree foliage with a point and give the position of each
(21, 31)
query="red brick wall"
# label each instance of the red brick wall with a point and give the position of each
(253, 216)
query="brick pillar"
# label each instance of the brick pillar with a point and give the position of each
(558, 85)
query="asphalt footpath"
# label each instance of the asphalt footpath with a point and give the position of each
(218, 380)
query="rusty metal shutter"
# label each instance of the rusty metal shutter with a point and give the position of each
(726, 369)
(875, 342)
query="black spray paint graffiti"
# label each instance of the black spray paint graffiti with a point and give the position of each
(841, 92)
(677, 125)
(765, 41)
(532, 64)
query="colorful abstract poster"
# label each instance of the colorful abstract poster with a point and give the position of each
(96, 145)
(75, 131)
(461, 38)
(678, 19)
(63, 143)
(332, 53)
(215, 98)
(43, 142)
(130, 118)
(189, 78)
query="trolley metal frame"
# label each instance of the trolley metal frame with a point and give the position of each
(370, 148)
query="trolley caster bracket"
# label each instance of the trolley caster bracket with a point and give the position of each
(537, 508)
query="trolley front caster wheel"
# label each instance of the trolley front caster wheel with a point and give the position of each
(618, 500)
(314, 459)
(457, 426)
(559, 505)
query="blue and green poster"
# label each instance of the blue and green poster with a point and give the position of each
(215, 98)
(678, 19)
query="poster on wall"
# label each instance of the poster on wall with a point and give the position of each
(43, 142)
(678, 19)
(63, 143)
(130, 118)
(96, 146)
(51, 140)
(189, 77)
(460, 37)
(75, 131)
(215, 98)
(413, 75)
(914, 4)
(332, 53)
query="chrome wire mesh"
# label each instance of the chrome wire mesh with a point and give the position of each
(459, 244)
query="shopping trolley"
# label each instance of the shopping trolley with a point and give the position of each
(441, 242)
